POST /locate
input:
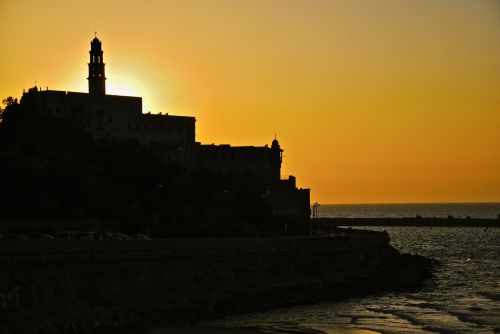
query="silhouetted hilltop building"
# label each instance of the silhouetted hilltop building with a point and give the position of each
(117, 117)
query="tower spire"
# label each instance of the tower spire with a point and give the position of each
(97, 78)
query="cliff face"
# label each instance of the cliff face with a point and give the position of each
(89, 291)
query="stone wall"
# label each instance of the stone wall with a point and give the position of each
(106, 285)
(44, 251)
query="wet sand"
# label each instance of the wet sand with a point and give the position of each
(202, 330)
(205, 330)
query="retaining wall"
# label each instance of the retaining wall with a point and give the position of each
(102, 286)
(64, 250)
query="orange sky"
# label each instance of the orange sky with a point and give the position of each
(373, 101)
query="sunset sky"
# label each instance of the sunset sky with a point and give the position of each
(374, 101)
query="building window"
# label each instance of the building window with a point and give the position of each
(110, 120)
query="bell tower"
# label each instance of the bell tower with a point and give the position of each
(276, 158)
(97, 79)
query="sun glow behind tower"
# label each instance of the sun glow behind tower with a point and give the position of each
(383, 101)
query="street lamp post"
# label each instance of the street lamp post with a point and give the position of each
(315, 215)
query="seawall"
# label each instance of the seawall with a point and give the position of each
(106, 286)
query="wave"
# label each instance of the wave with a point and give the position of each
(490, 295)
(467, 318)
(398, 314)
(440, 330)
(465, 323)
(429, 306)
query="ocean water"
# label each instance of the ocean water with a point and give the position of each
(459, 210)
(463, 297)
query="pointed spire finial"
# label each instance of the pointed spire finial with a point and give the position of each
(95, 34)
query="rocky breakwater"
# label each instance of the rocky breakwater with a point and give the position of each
(113, 286)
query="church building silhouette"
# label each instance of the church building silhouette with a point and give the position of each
(115, 117)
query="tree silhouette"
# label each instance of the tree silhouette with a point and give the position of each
(8, 104)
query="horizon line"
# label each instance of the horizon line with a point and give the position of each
(407, 203)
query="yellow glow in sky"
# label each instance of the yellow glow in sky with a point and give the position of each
(373, 101)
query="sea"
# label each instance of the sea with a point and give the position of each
(428, 210)
(462, 297)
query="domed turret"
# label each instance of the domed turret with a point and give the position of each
(276, 156)
(275, 143)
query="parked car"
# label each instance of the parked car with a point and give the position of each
(45, 236)
(87, 235)
(121, 236)
(75, 235)
(141, 236)
(66, 235)
(15, 237)
(105, 236)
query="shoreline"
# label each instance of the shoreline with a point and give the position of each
(204, 330)
(227, 330)
(249, 330)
